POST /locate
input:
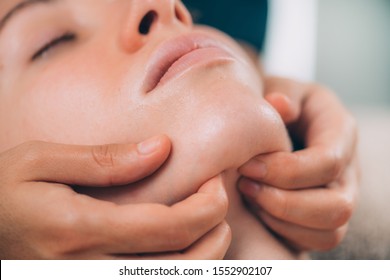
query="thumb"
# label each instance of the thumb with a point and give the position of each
(104, 165)
(287, 109)
(286, 96)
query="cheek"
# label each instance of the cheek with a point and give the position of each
(60, 109)
(213, 127)
(69, 105)
(223, 126)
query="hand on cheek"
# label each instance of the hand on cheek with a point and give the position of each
(307, 196)
(42, 217)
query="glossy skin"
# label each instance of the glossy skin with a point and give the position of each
(91, 91)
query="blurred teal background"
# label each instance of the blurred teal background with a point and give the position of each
(353, 50)
(353, 58)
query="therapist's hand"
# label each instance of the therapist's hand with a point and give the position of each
(41, 217)
(306, 197)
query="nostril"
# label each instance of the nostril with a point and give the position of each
(178, 15)
(182, 14)
(147, 22)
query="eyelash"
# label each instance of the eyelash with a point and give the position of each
(65, 38)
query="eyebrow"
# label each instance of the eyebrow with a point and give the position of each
(17, 8)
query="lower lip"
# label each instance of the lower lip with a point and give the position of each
(194, 59)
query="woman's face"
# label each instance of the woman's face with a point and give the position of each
(115, 71)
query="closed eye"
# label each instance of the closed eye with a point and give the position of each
(65, 38)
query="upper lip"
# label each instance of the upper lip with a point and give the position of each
(168, 52)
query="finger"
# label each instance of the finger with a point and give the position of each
(313, 166)
(316, 208)
(212, 246)
(106, 165)
(330, 139)
(285, 96)
(305, 238)
(91, 224)
(287, 109)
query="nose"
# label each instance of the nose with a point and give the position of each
(147, 17)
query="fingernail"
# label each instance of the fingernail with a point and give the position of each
(149, 146)
(249, 188)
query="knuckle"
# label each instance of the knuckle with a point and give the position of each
(334, 239)
(279, 204)
(15, 162)
(335, 164)
(104, 155)
(32, 151)
(67, 240)
(182, 243)
(55, 251)
(29, 155)
(109, 159)
(176, 232)
(180, 240)
(344, 212)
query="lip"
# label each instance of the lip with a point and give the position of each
(181, 54)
